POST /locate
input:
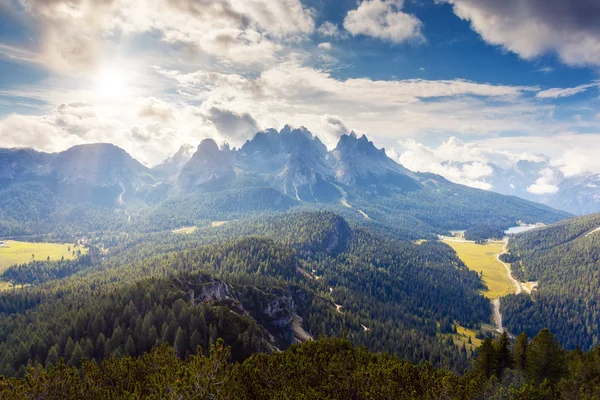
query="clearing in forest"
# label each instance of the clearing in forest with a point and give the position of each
(185, 230)
(482, 258)
(12, 252)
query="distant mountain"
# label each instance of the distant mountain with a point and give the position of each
(209, 167)
(97, 173)
(295, 161)
(98, 165)
(171, 167)
(18, 163)
(579, 194)
(359, 162)
(272, 172)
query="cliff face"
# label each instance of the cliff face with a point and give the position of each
(213, 291)
(274, 309)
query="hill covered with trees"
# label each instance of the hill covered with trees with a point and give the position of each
(259, 285)
(564, 259)
(321, 369)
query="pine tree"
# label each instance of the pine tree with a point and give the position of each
(69, 349)
(129, 347)
(520, 351)
(504, 358)
(486, 358)
(75, 360)
(180, 342)
(545, 358)
(52, 357)
(195, 342)
(153, 338)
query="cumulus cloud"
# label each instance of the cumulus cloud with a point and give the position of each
(385, 20)
(325, 46)
(154, 108)
(330, 30)
(300, 95)
(72, 34)
(545, 184)
(67, 125)
(235, 126)
(531, 28)
(578, 160)
(556, 93)
(460, 162)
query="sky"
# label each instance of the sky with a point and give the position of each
(432, 81)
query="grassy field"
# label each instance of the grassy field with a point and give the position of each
(216, 224)
(482, 258)
(21, 252)
(185, 231)
(463, 334)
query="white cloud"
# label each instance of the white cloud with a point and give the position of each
(235, 126)
(420, 158)
(325, 46)
(67, 125)
(154, 108)
(577, 160)
(299, 95)
(383, 19)
(570, 153)
(545, 184)
(460, 162)
(531, 28)
(73, 35)
(555, 93)
(330, 30)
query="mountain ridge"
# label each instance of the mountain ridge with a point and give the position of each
(272, 172)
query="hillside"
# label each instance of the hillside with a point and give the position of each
(564, 259)
(322, 369)
(319, 276)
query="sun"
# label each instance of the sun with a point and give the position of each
(110, 82)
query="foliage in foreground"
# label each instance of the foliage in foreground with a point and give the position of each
(322, 369)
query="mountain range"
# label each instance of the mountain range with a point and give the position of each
(274, 171)
(542, 182)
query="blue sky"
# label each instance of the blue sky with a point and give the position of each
(516, 78)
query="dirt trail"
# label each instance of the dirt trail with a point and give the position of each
(516, 284)
(519, 287)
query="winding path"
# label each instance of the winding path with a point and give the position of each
(518, 288)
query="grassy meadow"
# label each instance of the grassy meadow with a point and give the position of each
(185, 230)
(21, 252)
(482, 258)
(463, 334)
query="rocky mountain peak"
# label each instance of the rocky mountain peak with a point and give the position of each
(209, 165)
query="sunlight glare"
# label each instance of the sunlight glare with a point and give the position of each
(110, 82)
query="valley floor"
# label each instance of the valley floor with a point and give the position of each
(496, 274)
(13, 252)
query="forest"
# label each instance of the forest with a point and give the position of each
(564, 259)
(326, 368)
(393, 294)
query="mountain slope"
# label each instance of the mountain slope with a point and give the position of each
(564, 259)
(170, 167)
(209, 168)
(358, 162)
(579, 194)
(273, 172)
